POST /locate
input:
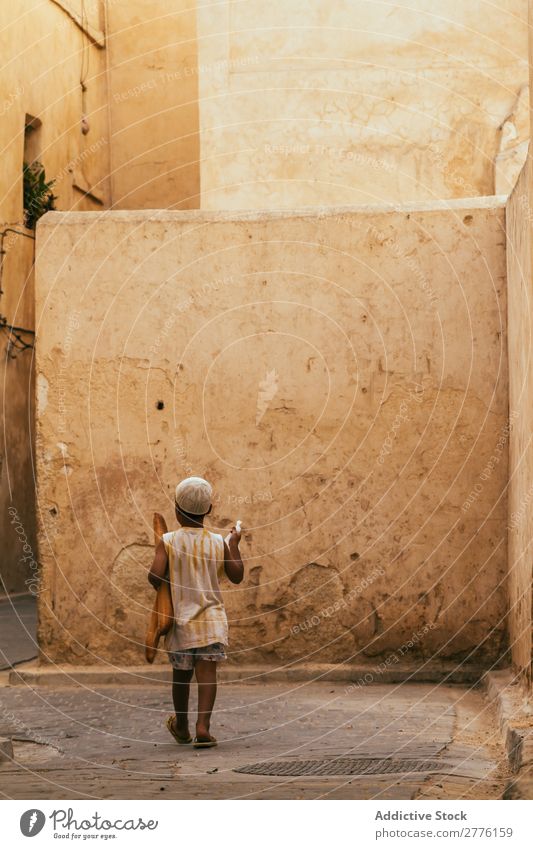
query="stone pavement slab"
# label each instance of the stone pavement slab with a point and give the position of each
(18, 629)
(111, 742)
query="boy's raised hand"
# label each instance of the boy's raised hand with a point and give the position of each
(236, 533)
(233, 564)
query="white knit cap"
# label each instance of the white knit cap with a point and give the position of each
(193, 495)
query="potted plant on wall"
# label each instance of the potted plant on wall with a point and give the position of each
(38, 195)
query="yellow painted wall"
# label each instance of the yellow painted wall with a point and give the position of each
(342, 380)
(301, 104)
(154, 104)
(312, 103)
(140, 84)
(44, 54)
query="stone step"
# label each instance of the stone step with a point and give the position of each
(161, 674)
(514, 707)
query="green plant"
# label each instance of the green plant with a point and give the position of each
(38, 195)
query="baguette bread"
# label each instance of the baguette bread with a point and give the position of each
(162, 615)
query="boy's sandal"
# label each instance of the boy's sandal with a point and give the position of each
(204, 744)
(181, 740)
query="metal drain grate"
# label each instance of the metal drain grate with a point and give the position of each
(341, 766)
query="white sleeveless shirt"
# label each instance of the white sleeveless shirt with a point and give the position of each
(196, 560)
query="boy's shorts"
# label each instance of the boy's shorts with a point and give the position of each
(186, 658)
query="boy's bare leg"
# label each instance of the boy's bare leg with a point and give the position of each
(181, 679)
(206, 675)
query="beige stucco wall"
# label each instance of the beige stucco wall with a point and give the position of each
(342, 380)
(312, 103)
(18, 563)
(519, 218)
(45, 52)
(154, 104)
(44, 55)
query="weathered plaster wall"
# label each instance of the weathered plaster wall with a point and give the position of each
(154, 104)
(342, 380)
(520, 312)
(17, 497)
(312, 103)
(45, 52)
(44, 56)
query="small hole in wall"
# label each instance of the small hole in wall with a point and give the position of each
(468, 220)
(160, 405)
(53, 511)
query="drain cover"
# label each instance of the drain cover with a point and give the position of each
(341, 766)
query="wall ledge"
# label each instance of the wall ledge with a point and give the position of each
(52, 219)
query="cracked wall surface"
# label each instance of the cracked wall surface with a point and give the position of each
(44, 55)
(520, 520)
(312, 103)
(340, 377)
(153, 103)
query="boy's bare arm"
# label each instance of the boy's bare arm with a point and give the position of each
(233, 565)
(159, 567)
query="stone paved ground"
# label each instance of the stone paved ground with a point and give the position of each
(18, 626)
(110, 742)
